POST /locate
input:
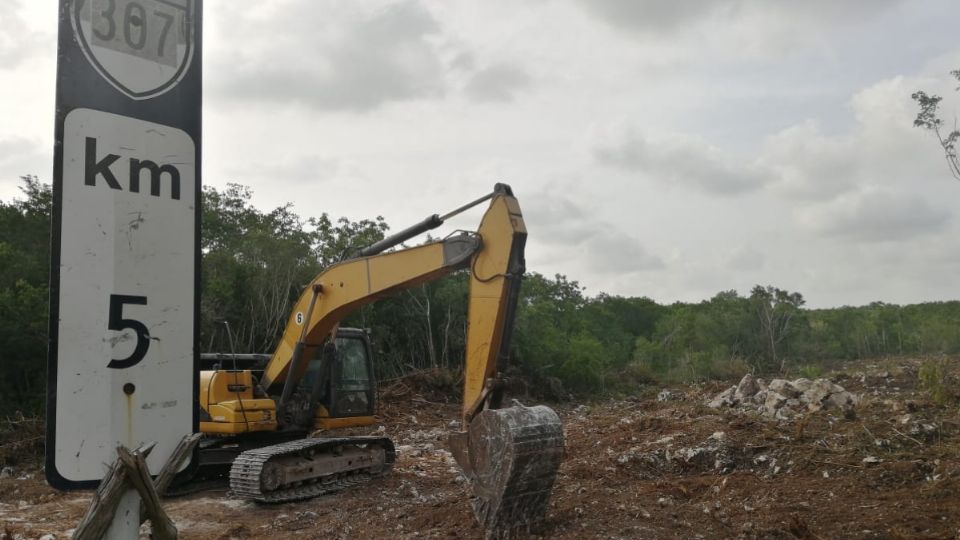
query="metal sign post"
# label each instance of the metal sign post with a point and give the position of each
(124, 299)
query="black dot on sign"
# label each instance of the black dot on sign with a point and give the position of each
(129, 388)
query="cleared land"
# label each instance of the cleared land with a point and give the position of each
(635, 468)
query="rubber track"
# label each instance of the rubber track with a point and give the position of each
(247, 467)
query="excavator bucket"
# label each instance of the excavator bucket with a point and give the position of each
(511, 457)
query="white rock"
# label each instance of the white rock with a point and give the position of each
(773, 402)
(784, 388)
(666, 395)
(724, 399)
(840, 400)
(747, 387)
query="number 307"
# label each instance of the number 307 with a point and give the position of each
(127, 21)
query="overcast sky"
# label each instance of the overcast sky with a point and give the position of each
(658, 148)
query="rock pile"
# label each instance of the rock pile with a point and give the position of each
(783, 399)
(713, 454)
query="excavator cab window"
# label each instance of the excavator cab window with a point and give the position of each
(353, 388)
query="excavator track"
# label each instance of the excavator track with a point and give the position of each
(308, 468)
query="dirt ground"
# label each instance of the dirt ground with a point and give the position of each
(661, 466)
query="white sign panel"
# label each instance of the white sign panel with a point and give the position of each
(126, 295)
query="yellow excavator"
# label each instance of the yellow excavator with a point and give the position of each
(258, 419)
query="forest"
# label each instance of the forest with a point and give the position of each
(566, 342)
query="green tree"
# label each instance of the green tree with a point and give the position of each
(24, 295)
(776, 310)
(928, 118)
(255, 264)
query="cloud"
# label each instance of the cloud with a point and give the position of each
(610, 251)
(18, 43)
(681, 160)
(327, 55)
(653, 15)
(875, 215)
(855, 185)
(19, 157)
(566, 229)
(882, 149)
(497, 83)
(657, 16)
(755, 28)
(744, 258)
(293, 169)
(811, 165)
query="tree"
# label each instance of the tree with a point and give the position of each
(24, 294)
(255, 264)
(776, 309)
(929, 119)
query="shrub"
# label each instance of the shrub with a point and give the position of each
(810, 371)
(935, 378)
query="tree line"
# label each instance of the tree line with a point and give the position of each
(255, 263)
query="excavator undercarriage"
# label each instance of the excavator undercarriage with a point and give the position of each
(308, 468)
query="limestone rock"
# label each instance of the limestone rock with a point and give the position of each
(784, 388)
(723, 399)
(747, 388)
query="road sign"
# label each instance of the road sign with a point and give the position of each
(124, 300)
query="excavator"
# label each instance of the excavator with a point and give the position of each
(258, 418)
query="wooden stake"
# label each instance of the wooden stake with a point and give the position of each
(139, 475)
(170, 468)
(130, 471)
(104, 504)
(179, 455)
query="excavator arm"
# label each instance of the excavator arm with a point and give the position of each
(494, 255)
(511, 455)
(345, 287)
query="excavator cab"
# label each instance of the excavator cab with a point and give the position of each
(340, 376)
(337, 390)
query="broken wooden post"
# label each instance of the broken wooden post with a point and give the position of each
(139, 476)
(170, 468)
(130, 471)
(104, 504)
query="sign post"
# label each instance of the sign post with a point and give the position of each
(124, 299)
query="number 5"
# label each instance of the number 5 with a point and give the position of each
(117, 322)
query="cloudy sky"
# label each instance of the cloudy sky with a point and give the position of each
(658, 148)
